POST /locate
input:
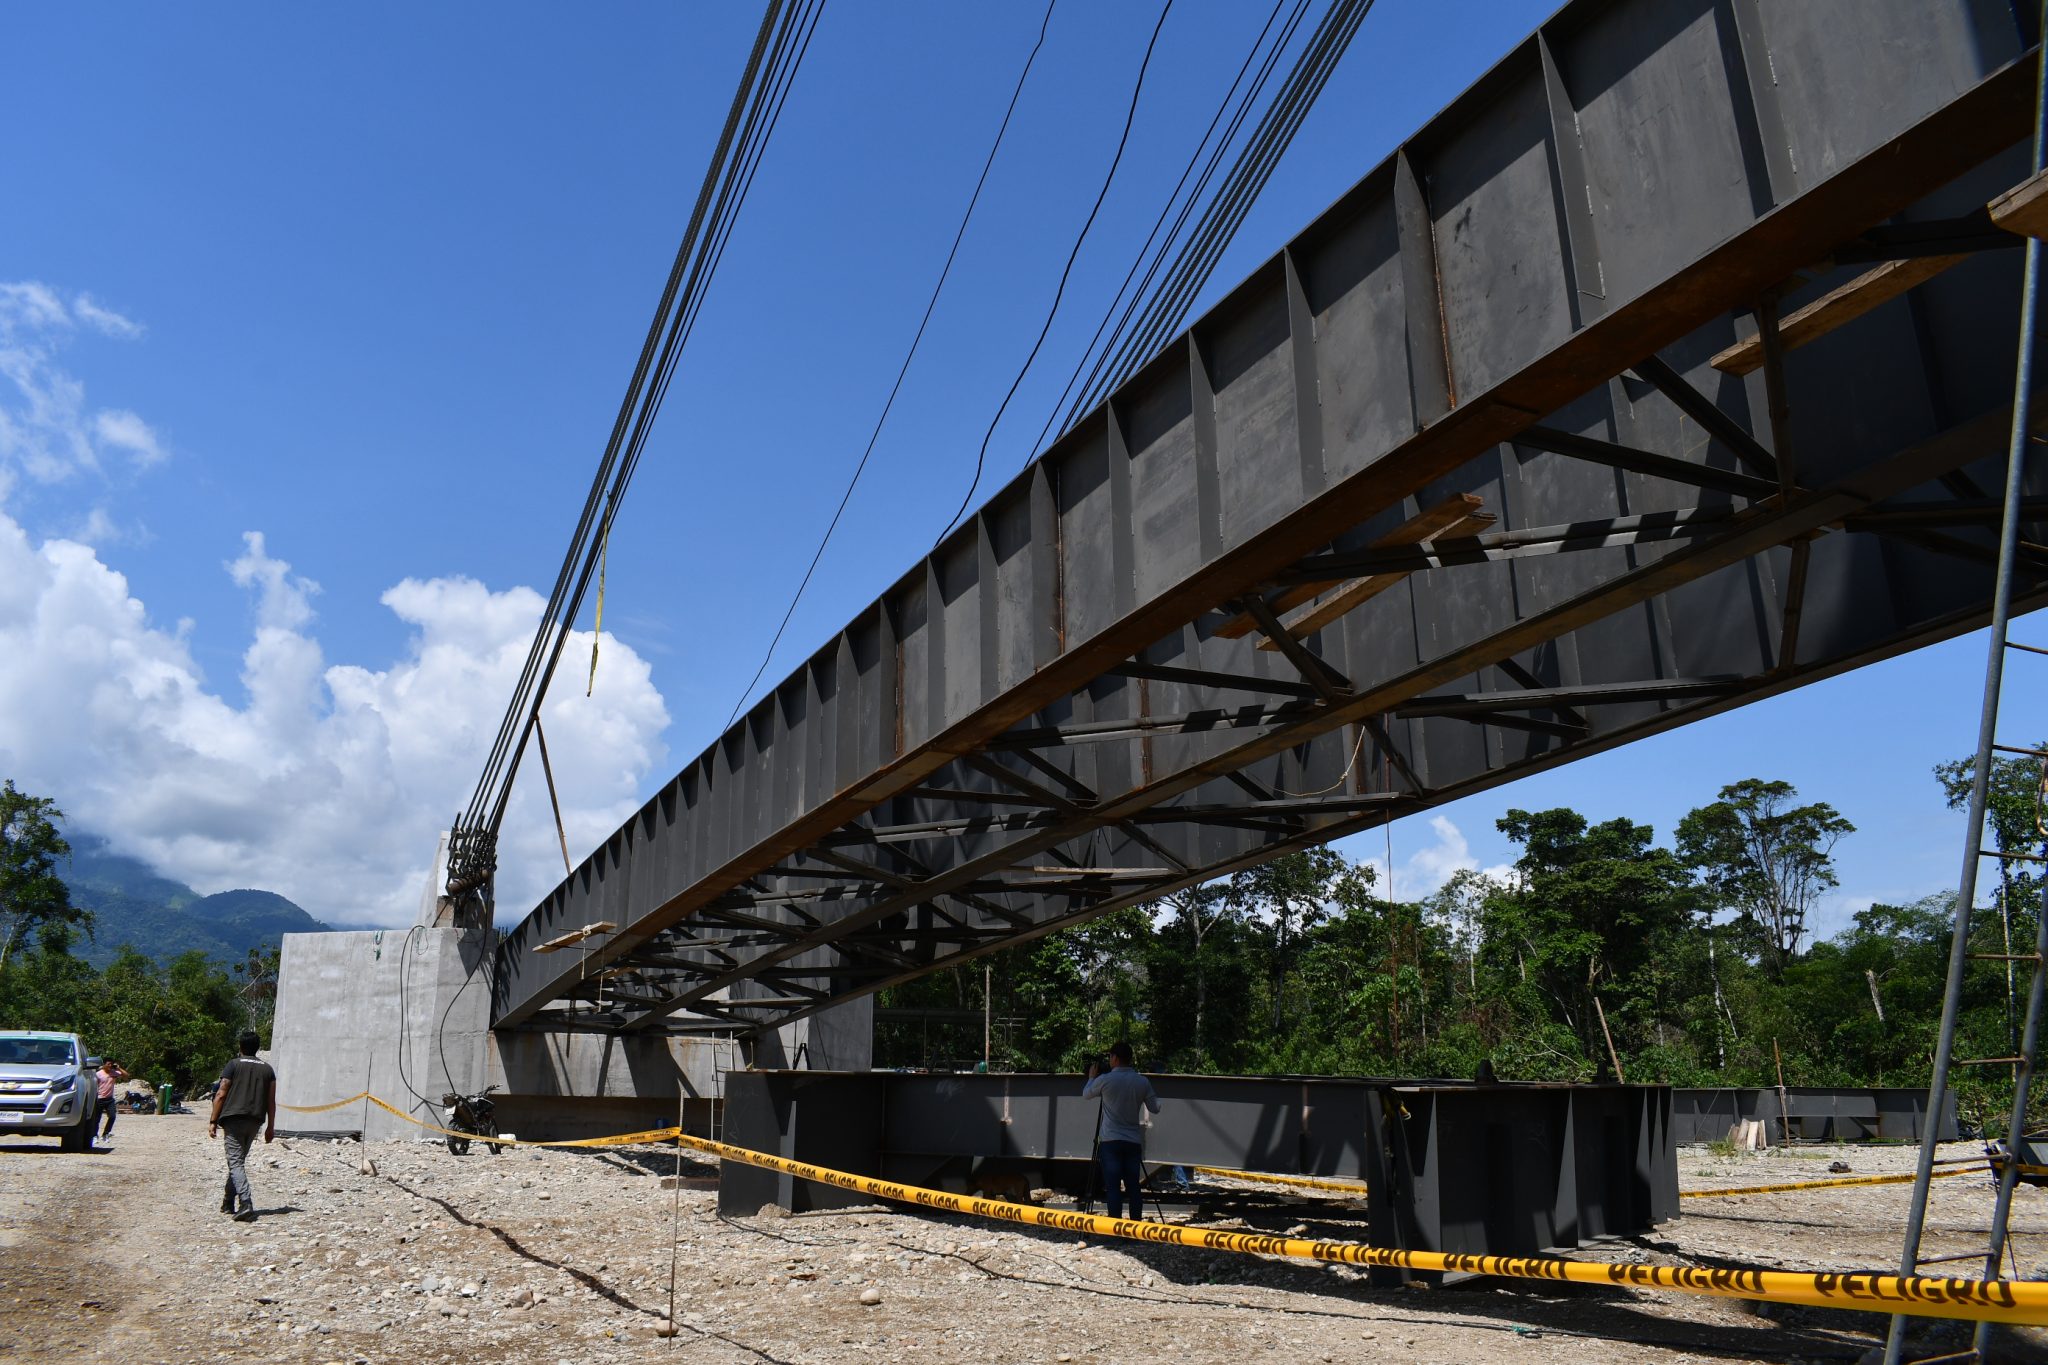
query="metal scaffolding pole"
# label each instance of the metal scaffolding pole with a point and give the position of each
(1980, 782)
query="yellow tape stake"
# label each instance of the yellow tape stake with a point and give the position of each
(2011, 1301)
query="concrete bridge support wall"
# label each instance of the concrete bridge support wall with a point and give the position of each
(405, 1015)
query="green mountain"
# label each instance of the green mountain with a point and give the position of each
(131, 904)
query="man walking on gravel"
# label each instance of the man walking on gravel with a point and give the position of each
(245, 1101)
(1121, 1148)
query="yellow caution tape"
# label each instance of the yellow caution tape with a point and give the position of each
(1271, 1177)
(323, 1108)
(1906, 1179)
(1995, 1164)
(2011, 1301)
(2016, 1301)
(651, 1135)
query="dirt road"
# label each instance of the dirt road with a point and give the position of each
(561, 1256)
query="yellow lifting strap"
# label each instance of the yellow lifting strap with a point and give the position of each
(604, 554)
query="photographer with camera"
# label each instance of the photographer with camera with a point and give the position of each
(1125, 1094)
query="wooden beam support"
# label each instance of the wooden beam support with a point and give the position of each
(2023, 209)
(1836, 307)
(575, 936)
(1348, 597)
(1441, 520)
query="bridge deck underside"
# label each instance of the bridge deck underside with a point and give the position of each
(1201, 630)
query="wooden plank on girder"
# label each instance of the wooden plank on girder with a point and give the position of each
(1349, 596)
(2023, 209)
(1837, 306)
(575, 936)
(1437, 521)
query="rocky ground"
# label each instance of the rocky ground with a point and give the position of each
(564, 1256)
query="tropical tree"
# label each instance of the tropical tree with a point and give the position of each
(1597, 917)
(1765, 858)
(32, 894)
(1290, 895)
(1201, 971)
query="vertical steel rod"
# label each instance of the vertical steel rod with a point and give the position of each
(2009, 1177)
(1987, 726)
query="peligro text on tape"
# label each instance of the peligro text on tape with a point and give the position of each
(2012, 1301)
(2022, 1301)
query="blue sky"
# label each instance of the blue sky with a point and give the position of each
(369, 281)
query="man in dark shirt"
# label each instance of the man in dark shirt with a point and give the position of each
(245, 1101)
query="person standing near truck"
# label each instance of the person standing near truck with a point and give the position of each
(105, 1079)
(245, 1101)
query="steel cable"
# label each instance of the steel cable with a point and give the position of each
(1123, 140)
(1328, 44)
(759, 125)
(896, 388)
(511, 725)
(783, 38)
(1158, 256)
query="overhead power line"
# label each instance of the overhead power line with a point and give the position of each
(1178, 274)
(771, 67)
(1123, 140)
(1157, 256)
(916, 340)
(1166, 312)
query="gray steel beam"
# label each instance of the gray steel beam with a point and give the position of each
(1392, 354)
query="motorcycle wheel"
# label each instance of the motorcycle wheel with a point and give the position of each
(489, 1129)
(458, 1145)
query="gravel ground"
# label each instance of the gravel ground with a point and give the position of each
(564, 1256)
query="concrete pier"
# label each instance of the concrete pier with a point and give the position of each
(405, 1015)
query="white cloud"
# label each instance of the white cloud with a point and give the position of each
(283, 602)
(331, 782)
(104, 320)
(48, 433)
(98, 528)
(124, 431)
(1421, 872)
(29, 306)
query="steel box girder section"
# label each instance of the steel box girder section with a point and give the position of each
(1763, 528)
(997, 625)
(1758, 529)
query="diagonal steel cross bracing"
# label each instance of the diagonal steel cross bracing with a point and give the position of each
(1199, 631)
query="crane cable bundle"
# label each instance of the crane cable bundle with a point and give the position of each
(1199, 252)
(1142, 323)
(771, 67)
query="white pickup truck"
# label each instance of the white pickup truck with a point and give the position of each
(46, 1087)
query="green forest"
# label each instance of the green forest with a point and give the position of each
(1694, 956)
(172, 1021)
(1689, 962)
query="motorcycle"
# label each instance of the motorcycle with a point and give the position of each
(471, 1114)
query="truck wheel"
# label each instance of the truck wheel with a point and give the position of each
(78, 1137)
